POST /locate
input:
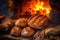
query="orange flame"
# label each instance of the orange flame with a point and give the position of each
(40, 7)
(37, 5)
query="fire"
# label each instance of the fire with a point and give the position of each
(37, 5)
(40, 7)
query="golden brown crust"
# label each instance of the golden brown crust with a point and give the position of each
(27, 32)
(22, 22)
(38, 21)
(16, 31)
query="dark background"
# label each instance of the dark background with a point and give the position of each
(3, 7)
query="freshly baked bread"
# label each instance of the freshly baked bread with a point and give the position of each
(21, 22)
(27, 32)
(38, 21)
(15, 31)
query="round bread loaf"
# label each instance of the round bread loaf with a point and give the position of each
(16, 31)
(38, 21)
(27, 32)
(21, 22)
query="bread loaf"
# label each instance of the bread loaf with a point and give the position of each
(16, 31)
(27, 32)
(38, 21)
(22, 22)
